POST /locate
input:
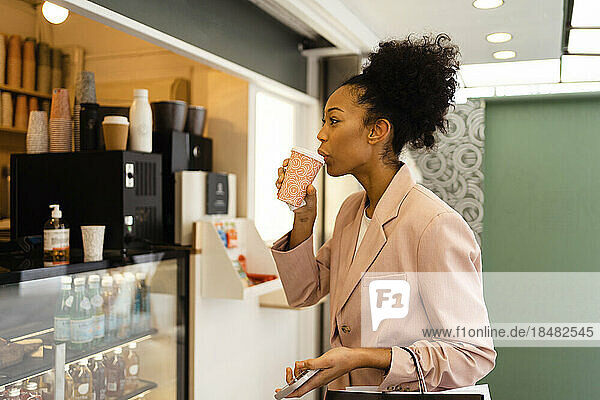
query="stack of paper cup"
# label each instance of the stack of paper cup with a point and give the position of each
(37, 132)
(2, 58)
(61, 124)
(21, 112)
(85, 92)
(33, 104)
(7, 109)
(44, 68)
(29, 64)
(13, 67)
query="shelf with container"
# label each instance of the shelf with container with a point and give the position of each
(222, 274)
(31, 93)
(28, 297)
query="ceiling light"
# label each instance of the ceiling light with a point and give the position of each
(511, 73)
(585, 41)
(498, 37)
(580, 68)
(586, 13)
(53, 13)
(504, 54)
(487, 4)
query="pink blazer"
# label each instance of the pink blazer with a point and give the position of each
(411, 231)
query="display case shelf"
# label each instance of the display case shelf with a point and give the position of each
(30, 367)
(32, 93)
(144, 387)
(219, 276)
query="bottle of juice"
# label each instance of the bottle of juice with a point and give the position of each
(96, 365)
(232, 237)
(82, 382)
(81, 318)
(114, 369)
(31, 392)
(46, 385)
(132, 366)
(110, 311)
(68, 384)
(14, 394)
(97, 308)
(62, 314)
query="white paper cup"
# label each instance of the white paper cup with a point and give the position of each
(93, 242)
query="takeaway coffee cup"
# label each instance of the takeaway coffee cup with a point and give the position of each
(303, 167)
(93, 242)
(116, 130)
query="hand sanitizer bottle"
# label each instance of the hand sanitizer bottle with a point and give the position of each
(56, 239)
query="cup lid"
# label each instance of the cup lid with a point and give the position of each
(309, 153)
(115, 119)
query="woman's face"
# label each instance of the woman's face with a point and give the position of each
(343, 136)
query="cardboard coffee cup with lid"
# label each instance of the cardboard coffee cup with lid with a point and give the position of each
(116, 130)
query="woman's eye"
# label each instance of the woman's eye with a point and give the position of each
(333, 121)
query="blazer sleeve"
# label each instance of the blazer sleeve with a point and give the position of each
(451, 289)
(305, 277)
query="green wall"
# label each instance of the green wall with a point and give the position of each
(542, 213)
(233, 29)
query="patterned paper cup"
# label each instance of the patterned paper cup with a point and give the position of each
(93, 242)
(300, 173)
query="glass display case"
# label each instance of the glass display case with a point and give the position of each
(114, 329)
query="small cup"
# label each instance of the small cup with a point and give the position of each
(116, 130)
(93, 242)
(303, 167)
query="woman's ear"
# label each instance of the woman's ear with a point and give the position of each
(380, 130)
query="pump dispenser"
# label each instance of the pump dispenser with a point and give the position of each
(56, 239)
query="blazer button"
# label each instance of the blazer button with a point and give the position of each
(346, 329)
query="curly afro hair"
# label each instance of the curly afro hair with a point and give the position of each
(411, 83)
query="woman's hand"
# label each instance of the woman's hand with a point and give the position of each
(335, 363)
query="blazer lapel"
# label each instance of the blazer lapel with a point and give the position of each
(375, 238)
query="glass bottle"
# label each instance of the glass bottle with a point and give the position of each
(62, 314)
(3, 392)
(97, 309)
(46, 385)
(96, 366)
(14, 394)
(125, 305)
(110, 311)
(114, 369)
(81, 318)
(68, 384)
(56, 239)
(31, 392)
(82, 382)
(132, 366)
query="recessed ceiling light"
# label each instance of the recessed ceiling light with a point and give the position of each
(511, 73)
(487, 4)
(584, 41)
(504, 54)
(586, 14)
(53, 13)
(498, 37)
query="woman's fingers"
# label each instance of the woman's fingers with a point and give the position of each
(286, 162)
(289, 376)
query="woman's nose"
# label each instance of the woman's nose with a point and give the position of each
(321, 135)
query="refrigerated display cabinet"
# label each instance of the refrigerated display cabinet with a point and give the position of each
(149, 307)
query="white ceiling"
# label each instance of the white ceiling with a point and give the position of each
(536, 25)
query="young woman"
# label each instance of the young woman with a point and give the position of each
(395, 228)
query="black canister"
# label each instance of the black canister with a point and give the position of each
(89, 124)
